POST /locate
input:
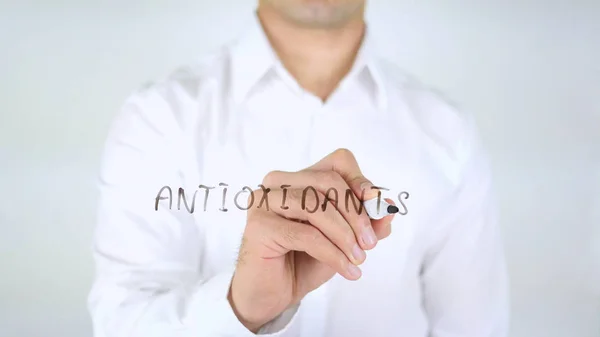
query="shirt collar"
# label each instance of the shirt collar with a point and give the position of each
(252, 58)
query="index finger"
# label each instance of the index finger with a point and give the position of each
(344, 163)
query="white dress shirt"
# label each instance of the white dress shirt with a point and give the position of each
(238, 114)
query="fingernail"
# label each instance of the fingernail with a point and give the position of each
(366, 186)
(354, 271)
(369, 192)
(368, 236)
(358, 253)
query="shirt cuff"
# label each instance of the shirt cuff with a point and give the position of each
(282, 325)
(210, 313)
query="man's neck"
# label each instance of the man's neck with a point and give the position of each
(317, 58)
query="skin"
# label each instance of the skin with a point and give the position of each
(316, 40)
(285, 254)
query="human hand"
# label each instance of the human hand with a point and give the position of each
(287, 253)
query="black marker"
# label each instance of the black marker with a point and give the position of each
(384, 209)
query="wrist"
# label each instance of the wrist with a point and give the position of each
(251, 323)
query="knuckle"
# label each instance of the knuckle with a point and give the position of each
(271, 178)
(295, 194)
(344, 153)
(327, 176)
(313, 235)
(357, 181)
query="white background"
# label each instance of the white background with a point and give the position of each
(529, 70)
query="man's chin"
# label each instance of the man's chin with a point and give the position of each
(319, 16)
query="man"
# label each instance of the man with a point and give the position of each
(298, 106)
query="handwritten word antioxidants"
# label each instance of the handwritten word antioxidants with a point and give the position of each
(310, 199)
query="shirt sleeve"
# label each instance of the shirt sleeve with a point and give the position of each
(148, 280)
(464, 275)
